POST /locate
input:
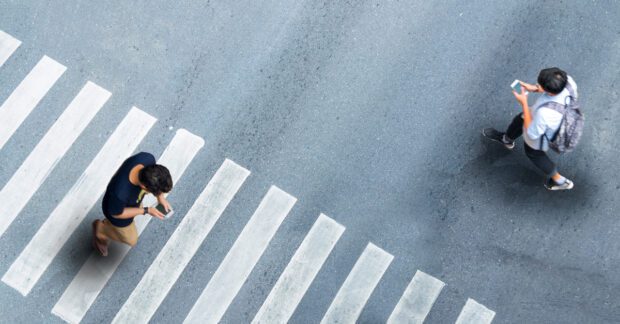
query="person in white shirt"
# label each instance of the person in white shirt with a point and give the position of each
(539, 124)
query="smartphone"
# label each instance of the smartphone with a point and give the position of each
(516, 86)
(162, 210)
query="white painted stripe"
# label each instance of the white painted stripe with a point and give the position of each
(300, 272)
(475, 313)
(182, 245)
(27, 95)
(49, 239)
(242, 257)
(95, 273)
(8, 45)
(359, 285)
(418, 299)
(43, 159)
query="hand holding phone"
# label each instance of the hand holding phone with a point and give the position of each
(162, 210)
(516, 86)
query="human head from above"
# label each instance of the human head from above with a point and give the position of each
(552, 80)
(155, 179)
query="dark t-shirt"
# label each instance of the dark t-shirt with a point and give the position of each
(120, 193)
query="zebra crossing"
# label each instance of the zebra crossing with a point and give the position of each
(231, 274)
(244, 254)
(27, 95)
(8, 45)
(300, 272)
(356, 289)
(44, 157)
(96, 271)
(417, 300)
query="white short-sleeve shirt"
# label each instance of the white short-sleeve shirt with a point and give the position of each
(545, 121)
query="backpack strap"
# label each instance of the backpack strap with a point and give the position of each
(571, 90)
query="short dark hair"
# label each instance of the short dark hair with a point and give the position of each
(156, 178)
(552, 80)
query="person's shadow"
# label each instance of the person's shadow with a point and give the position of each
(511, 176)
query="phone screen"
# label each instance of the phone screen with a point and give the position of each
(516, 86)
(162, 210)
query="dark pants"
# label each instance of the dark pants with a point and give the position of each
(538, 157)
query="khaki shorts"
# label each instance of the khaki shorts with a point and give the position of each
(127, 234)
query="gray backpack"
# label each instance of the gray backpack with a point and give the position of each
(571, 128)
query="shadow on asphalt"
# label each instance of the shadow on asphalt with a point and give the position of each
(514, 178)
(489, 172)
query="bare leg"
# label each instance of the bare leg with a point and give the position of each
(99, 233)
(100, 240)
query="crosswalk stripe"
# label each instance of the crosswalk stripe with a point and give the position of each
(49, 239)
(8, 45)
(182, 245)
(27, 95)
(242, 257)
(96, 271)
(359, 285)
(475, 313)
(52, 147)
(418, 299)
(300, 272)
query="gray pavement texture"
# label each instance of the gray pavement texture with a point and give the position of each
(367, 111)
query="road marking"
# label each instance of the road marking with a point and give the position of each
(242, 257)
(97, 270)
(300, 272)
(49, 239)
(475, 313)
(418, 299)
(27, 95)
(360, 283)
(8, 45)
(182, 245)
(43, 159)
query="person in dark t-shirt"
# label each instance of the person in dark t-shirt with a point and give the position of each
(122, 200)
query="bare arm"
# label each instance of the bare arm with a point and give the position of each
(531, 87)
(527, 116)
(522, 99)
(130, 212)
(162, 200)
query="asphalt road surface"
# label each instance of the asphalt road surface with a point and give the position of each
(369, 112)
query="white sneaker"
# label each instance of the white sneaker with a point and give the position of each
(552, 185)
(495, 135)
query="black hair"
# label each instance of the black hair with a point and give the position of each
(156, 178)
(552, 80)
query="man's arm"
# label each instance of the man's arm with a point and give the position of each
(522, 99)
(162, 200)
(531, 87)
(130, 212)
(527, 115)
